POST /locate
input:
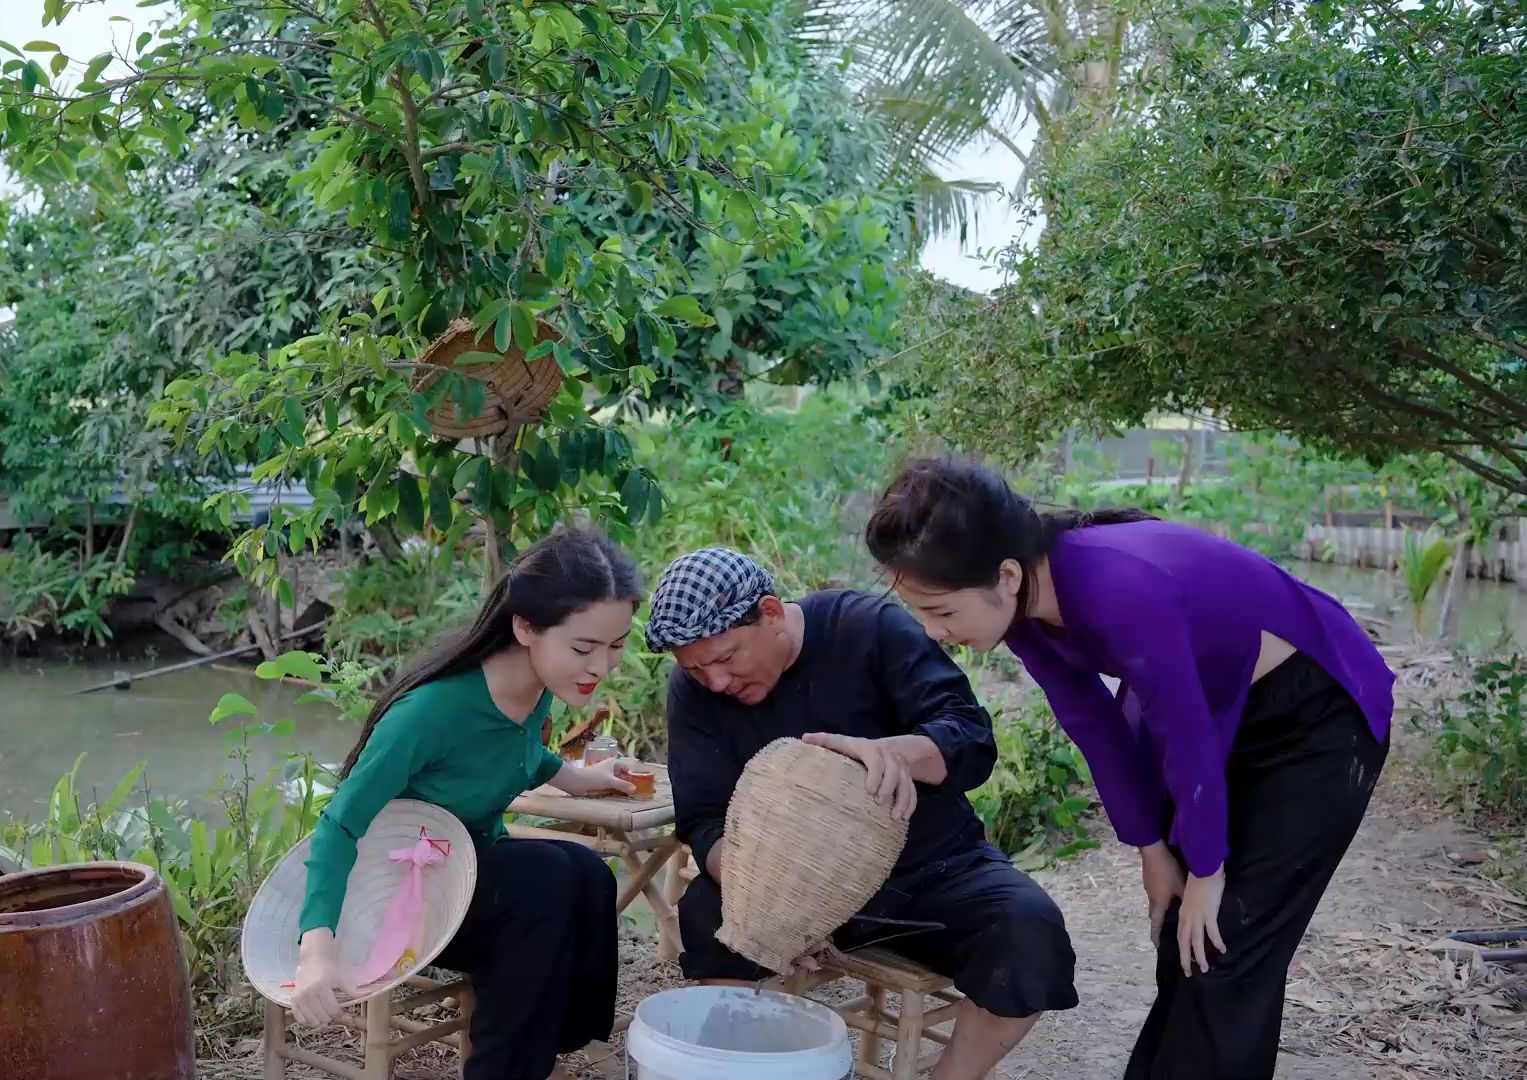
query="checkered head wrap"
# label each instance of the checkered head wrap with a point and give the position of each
(703, 594)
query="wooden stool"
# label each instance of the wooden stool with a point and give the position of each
(382, 1015)
(882, 971)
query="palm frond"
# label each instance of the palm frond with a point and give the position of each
(949, 206)
(937, 51)
(912, 122)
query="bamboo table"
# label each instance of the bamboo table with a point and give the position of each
(637, 831)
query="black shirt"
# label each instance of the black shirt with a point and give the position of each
(866, 669)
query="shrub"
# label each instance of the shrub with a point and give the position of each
(1483, 748)
(1034, 804)
(42, 592)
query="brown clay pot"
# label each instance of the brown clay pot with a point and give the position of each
(93, 980)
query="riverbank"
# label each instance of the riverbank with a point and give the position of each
(1369, 999)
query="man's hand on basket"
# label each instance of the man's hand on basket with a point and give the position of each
(889, 777)
(810, 960)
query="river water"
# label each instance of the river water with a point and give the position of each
(44, 726)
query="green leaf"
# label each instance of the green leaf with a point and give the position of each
(231, 704)
(524, 325)
(544, 469)
(330, 414)
(503, 329)
(685, 308)
(40, 46)
(482, 486)
(410, 502)
(441, 506)
(556, 256)
(298, 664)
(634, 494)
(124, 788)
(639, 195)
(740, 212)
(293, 422)
(661, 87)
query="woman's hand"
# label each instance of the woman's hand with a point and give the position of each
(605, 778)
(1163, 884)
(1199, 918)
(314, 1001)
(889, 780)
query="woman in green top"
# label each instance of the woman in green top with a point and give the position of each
(461, 728)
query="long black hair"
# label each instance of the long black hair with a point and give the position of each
(549, 581)
(951, 523)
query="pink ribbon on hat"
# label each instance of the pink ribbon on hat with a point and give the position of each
(394, 948)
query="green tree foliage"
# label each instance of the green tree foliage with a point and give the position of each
(116, 295)
(516, 164)
(1317, 227)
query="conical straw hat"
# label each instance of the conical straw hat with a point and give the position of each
(806, 848)
(271, 928)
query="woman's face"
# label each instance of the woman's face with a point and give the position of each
(573, 658)
(978, 618)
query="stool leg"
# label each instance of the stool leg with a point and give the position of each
(869, 1041)
(466, 1001)
(275, 1042)
(378, 1039)
(909, 1036)
(673, 890)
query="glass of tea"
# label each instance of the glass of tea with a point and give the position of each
(644, 781)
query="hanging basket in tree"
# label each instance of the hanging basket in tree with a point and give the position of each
(514, 391)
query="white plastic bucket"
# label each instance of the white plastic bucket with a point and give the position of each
(730, 1033)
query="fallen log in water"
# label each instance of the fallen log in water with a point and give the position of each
(124, 681)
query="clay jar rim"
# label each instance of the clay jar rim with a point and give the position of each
(145, 884)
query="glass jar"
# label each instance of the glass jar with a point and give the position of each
(601, 748)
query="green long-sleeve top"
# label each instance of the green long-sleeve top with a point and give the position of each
(446, 743)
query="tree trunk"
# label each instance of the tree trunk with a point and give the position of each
(127, 534)
(257, 628)
(1452, 599)
(1185, 476)
(386, 540)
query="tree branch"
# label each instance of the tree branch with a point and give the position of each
(1516, 484)
(410, 114)
(1514, 407)
(1379, 396)
(1490, 339)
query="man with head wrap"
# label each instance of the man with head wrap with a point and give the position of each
(856, 674)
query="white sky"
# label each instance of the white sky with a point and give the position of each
(88, 31)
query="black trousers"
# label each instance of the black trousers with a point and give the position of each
(1003, 940)
(539, 941)
(1301, 770)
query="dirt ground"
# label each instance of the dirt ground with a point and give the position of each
(1368, 999)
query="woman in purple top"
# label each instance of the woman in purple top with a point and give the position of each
(1238, 753)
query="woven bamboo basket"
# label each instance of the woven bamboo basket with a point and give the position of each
(806, 848)
(514, 392)
(271, 929)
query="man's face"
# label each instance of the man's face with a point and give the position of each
(745, 662)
